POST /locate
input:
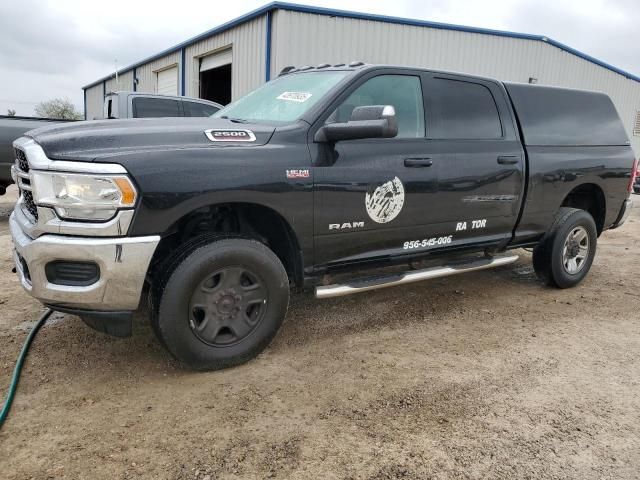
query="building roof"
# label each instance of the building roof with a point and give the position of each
(364, 16)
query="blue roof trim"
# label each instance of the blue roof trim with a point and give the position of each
(589, 58)
(367, 16)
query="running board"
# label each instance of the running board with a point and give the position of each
(373, 283)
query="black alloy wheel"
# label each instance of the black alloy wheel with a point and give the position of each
(219, 301)
(227, 305)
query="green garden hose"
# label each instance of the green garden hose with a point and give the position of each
(16, 371)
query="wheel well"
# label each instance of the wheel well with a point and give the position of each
(589, 197)
(243, 219)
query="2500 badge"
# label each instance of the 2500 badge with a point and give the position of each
(427, 242)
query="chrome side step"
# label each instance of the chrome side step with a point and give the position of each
(373, 283)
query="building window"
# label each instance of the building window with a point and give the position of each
(636, 125)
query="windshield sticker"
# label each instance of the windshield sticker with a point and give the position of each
(384, 202)
(304, 173)
(230, 135)
(299, 97)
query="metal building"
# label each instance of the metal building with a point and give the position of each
(228, 61)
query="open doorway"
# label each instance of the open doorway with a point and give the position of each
(215, 84)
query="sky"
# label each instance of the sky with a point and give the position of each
(52, 48)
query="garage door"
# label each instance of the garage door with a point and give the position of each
(167, 81)
(215, 60)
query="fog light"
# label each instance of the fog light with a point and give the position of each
(73, 274)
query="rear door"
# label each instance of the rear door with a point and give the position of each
(482, 166)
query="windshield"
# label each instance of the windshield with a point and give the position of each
(284, 99)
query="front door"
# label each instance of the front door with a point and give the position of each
(374, 196)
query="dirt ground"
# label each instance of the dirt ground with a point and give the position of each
(484, 375)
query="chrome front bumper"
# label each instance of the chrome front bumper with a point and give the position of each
(123, 264)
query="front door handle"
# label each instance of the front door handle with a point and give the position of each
(508, 159)
(417, 162)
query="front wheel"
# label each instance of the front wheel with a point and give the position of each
(222, 304)
(564, 256)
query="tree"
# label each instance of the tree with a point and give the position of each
(11, 113)
(58, 108)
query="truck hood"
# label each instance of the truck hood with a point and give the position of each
(96, 140)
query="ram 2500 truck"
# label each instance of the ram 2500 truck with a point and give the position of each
(307, 183)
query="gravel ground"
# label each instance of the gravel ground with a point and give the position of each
(484, 375)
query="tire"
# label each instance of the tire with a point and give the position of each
(576, 230)
(207, 319)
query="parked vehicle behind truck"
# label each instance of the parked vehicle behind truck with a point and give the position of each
(146, 105)
(305, 184)
(116, 105)
(10, 129)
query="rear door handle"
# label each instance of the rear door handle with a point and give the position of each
(508, 159)
(417, 162)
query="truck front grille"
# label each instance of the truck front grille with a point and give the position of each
(24, 183)
(30, 204)
(22, 162)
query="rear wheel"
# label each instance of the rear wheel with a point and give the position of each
(564, 256)
(222, 303)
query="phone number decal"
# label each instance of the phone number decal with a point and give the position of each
(427, 242)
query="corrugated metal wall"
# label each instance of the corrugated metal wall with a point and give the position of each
(125, 82)
(95, 100)
(248, 66)
(303, 38)
(247, 41)
(95, 94)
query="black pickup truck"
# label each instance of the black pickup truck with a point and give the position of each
(307, 183)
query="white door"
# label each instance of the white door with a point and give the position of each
(167, 81)
(215, 60)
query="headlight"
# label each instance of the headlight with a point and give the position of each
(83, 196)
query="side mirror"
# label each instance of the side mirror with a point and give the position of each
(373, 121)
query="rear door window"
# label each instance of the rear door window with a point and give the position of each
(197, 109)
(461, 110)
(403, 92)
(150, 107)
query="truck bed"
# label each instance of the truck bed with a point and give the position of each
(570, 137)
